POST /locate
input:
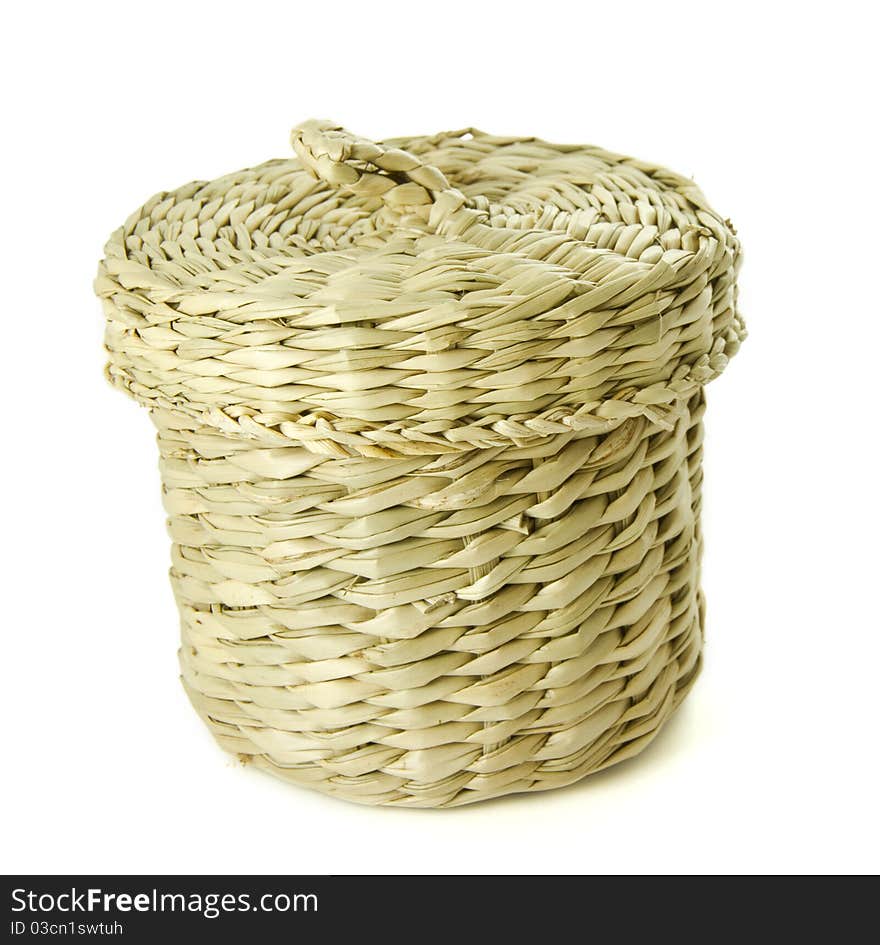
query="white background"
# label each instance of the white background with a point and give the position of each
(771, 764)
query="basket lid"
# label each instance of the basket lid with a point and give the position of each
(422, 295)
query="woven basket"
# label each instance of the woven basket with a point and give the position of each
(429, 417)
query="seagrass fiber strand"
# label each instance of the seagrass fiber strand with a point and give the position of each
(430, 425)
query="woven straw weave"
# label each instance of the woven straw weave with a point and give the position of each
(429, 416)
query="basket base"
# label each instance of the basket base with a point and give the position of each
(644, 722)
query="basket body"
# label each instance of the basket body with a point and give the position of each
(430, 453)
(429, 633)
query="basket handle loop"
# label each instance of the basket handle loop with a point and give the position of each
(366, 168)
